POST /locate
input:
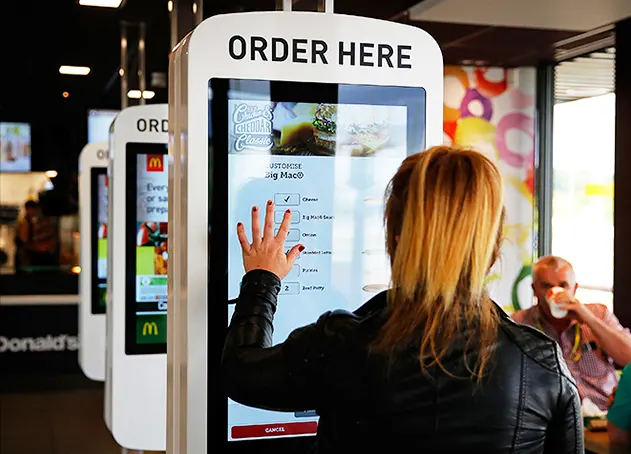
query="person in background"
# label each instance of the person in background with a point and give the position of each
(591, 337)
(432, 365)
(619, 414)
(36, 239)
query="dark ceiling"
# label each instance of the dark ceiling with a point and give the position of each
(39, 40)
(498, 46)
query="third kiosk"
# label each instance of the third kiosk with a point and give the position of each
(92, 283)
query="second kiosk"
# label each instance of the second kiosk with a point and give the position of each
(135, 391)
(316, 112)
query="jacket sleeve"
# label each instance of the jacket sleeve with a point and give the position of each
(287, 377)
(565, 433)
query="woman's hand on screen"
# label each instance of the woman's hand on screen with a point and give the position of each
(267, 251)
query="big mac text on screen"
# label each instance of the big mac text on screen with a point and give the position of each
(284, 171)
(316, 51)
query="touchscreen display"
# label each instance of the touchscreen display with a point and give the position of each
(99, 238)
(327, 152)
(146, 248)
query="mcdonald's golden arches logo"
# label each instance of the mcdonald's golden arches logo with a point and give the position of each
(150, 328)
(155, 163)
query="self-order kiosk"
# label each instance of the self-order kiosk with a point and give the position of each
(315, 112)
(135, 404)
(93, 259)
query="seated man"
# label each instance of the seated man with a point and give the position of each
(590, 336)
(619, 416)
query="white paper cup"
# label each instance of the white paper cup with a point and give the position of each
(554, 300)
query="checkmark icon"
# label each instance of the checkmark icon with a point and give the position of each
(287, 198)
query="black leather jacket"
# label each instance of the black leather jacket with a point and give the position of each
(528, 403)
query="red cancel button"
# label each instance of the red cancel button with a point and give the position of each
(275, 430)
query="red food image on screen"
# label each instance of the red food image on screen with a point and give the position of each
(156, 235)
(102, 230)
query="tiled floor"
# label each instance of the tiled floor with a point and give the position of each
(61, 420)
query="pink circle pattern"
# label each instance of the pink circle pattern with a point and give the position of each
(474, 95)
(522, 122)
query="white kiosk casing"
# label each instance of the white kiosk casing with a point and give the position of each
(93, 162)
(205, 54)
(135, 398)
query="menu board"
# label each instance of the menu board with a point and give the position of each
(327, 152)
(99, 238)
(147, 248)
(15, 147)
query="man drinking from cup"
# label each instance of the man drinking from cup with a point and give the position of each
(590, 336)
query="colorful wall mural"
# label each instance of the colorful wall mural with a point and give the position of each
(493, 111)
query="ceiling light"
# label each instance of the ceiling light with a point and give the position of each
(65, 94)
(136, 94)
(102, 3)
(170, 5)
(51, 173)
(74, 70)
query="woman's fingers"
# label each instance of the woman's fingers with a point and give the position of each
(256, 226)
(243, 238)
(294, 253)
(283, 230)
(268, 230)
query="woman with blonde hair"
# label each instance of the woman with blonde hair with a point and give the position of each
(432, 365)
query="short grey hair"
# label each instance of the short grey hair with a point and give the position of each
(554, 262)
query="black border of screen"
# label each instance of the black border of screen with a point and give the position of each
(133, 149)
(95, 172)
(280, 91)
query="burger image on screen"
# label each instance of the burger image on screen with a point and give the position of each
(352, 130)
(325, 127)
(365, 129)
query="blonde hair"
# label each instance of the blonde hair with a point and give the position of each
(444, 217)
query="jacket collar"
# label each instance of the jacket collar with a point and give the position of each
(375, 304)
(380, 301)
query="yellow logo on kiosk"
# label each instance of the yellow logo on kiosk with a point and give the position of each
(155, 163)
(150, 328)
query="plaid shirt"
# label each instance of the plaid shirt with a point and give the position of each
(594, 371)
